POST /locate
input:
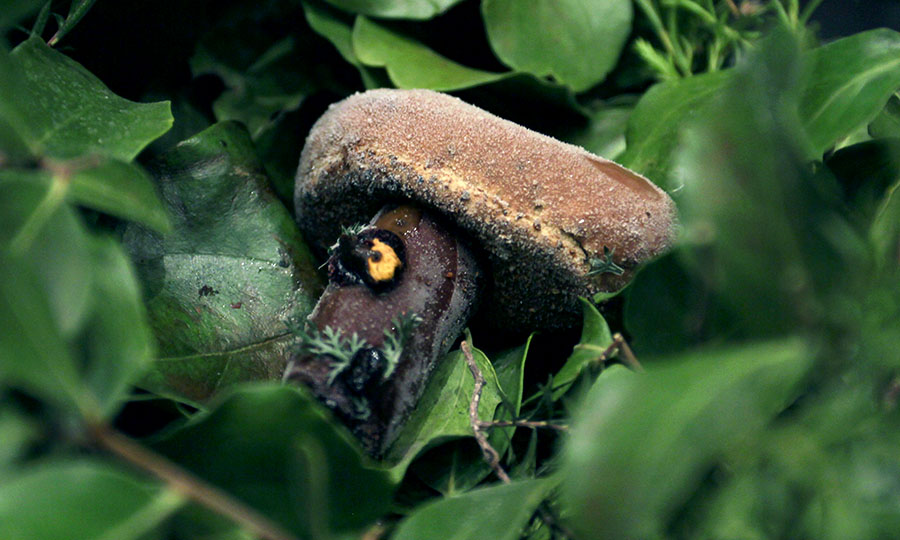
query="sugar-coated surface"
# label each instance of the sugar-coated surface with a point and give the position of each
(539, 209)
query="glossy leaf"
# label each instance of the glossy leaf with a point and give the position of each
(411, 64)
(443, 410)
(659, 120)
(595, 339)
(81, 500)
(396, 9)
(641, 445)
(577, 42)
(498, 512)
(281, 452)
(221, 286)
(61, 109)
(849, 83)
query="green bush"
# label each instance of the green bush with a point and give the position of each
(147, 152)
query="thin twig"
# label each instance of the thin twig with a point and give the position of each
(533, 424)
(620, 345)
(489, 452)
(188, 485)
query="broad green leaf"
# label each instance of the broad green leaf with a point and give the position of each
(577, 42)
(510, 369)
(887, 123)
(81, 500)
(498, 512)
(849, 83)
(220, 286)
(866, 171)
(280, 452)
(443, 410)
(61, 109)
(595, 339)
(17, 431)
(328, 23)
(641, 445)
(120, 189)
(411, 64)
(117, 342)
(658, 122)
(37, 225)
(77, 10)
(396, 9)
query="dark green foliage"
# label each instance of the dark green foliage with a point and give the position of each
(149, 275)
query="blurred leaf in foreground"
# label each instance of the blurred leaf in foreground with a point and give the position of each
(283, 454)
(81, 500)
(498, 512)
(221, 286)
(641, 445)
(396, 9)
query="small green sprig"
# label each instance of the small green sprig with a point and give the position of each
(329, 342)
(395, 340)
(605, 265)
(347, 230)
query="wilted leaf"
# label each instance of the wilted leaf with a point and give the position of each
(61, 109)
(281, 452)
(849, 83)
(577, 42)
(221, 286)
(81, 500)
(497, 512)
(640, 445)
(411, 64)
(396, 9)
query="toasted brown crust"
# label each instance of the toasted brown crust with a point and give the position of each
(539, 209)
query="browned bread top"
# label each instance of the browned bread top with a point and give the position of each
(540, 210)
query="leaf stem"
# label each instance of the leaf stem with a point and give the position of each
(187, 484)
(489, 452)
(808, 10)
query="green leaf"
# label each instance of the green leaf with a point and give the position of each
(17, 431)
(220, 286)
(659, 120)
(61, 109)
(120, 189)
(443, 410)
(328, 24)
(396, 9)
(510, 369)
(77, 10)
(15, 10)
(595, 339)
(498, 512)
(849, 83)
(262, 75)
(37, 225)
(577, 42)
(118, 344)
(75, 500)
(646, 442)
(604, 132)
(411, 64)
(887, 123)
(885, 231)
(280, 452)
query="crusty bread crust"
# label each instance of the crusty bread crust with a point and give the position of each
(537, 209)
